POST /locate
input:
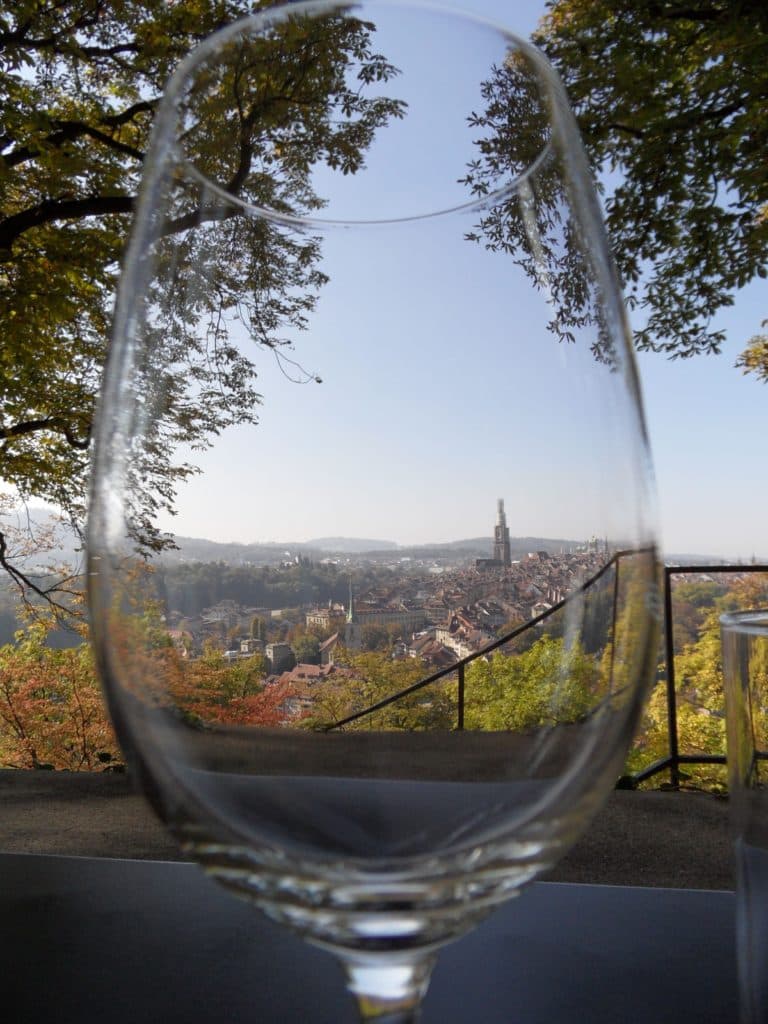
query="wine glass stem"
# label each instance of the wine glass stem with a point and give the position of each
(389, 990)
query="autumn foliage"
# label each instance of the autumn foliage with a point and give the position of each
(53, 715)
(221, 693)
(51, 710)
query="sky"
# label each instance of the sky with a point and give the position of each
(453, 414)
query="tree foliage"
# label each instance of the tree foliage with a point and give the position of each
(52, 712)
(546, 685)
(754, 358)
(672, 103)
(369, 677)
(307, 649)
(51, 709)
(79, 84)
(700, 698)
(213, 690)
(700, 709)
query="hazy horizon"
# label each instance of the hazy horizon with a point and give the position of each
(706, 551)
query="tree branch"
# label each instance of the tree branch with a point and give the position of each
(55, 423)
(51, 210)
(25, 585)
(109, 51)
(17, 575)
(142, 107)
(66, 31)
(70, 131)
(682, 13)
(617, 126)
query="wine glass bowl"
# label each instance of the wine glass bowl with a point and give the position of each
(368, 290)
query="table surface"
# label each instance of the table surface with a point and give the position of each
(87, 940)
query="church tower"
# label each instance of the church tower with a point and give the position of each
(501, 551)
(352, 631)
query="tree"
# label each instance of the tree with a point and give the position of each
(79, 83)
(51, 711)
(258, 628)
(307, 649)
(214, 690)
(374, 638)
(754, 358)
(700, 709)
(692, 601)
(369, 677)
(672, 103)
(700, 700)
(546, 685)
(747, 591)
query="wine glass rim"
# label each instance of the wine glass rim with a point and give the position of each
(252, 23)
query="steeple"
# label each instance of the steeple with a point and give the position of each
(501, 552)
(352, 631)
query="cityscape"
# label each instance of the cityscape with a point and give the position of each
(429, 609)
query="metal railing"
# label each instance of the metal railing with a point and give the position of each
(673, 761)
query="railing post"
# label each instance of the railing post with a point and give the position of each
(460, 715)
(674, 749)
(613, 620)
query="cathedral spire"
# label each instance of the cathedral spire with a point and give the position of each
(501, 550)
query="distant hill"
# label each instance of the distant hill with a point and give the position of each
(350, 545)
(67, 547)
(518, 545)
(482, 545)
(198, 549)
(673, 558)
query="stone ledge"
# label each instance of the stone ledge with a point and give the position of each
(651, 838)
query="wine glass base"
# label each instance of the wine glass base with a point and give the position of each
(377, 916)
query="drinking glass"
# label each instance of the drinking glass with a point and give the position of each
(367, 293)
(745, 677)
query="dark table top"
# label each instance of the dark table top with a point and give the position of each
(135, 942)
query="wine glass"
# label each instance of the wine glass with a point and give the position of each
(368, 292)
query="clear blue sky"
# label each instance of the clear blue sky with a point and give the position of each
(706, 420)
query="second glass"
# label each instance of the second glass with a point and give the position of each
(745, 676)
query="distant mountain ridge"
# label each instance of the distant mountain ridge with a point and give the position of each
(199, 549)
(350, 545)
